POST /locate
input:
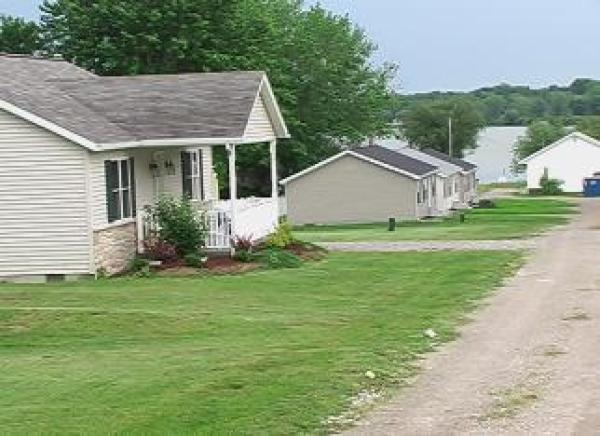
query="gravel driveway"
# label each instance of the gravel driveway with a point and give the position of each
(529, 363)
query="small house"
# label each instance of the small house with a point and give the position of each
(82, 155)
(570, 159)
(360, 185)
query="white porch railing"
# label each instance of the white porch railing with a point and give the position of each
(218, 230)
(256, 218)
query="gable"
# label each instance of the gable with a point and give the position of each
(573, 143)
(362, 168)
(259, 122)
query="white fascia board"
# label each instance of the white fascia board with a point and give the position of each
(358, 156)
(314, 167)
(577, 135)
(45, 124)
(273, 108)
(182, 142)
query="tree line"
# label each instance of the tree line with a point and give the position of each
(506, 105)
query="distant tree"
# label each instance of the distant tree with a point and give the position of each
(539, 135)
(520, 105)
(18, 35)
(426, 126)
(590, 126)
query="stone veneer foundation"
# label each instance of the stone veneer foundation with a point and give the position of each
(115, 248)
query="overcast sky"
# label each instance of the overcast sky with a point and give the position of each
(465, 44)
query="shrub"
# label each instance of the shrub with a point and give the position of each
(243, 256)
(550, 186)
(486, 204)
(193, 260)
(244, 248)
(244, 243)
(158, 249)
(282, 237)
(141, 267)
(180, 224)
(275, 258)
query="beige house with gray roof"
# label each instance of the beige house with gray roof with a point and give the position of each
(81, 155)
(362, 185)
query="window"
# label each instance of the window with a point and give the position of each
(421, 192)
(191, 171)
(120, 189)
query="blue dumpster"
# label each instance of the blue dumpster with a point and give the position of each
(591, 186)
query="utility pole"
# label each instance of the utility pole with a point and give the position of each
(450, 136)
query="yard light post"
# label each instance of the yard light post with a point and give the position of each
(450, 136)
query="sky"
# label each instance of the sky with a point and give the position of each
(466, 44)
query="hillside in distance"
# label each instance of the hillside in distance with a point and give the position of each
(508, 105)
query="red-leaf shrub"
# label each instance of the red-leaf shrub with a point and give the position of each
(157, 249)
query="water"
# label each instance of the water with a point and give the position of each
(494, 155)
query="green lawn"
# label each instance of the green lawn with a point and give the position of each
(483, 188)
(512, 219)
(273, 352)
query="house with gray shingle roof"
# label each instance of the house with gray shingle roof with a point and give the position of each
(448, 180)
(362, 185)
(467, 186)
(82, 155)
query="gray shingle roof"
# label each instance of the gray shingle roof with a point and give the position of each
(465, 165)
(395, 159)
(123, 109)
(27, 69)
(446, 168)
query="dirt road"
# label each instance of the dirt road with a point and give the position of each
(529, 363)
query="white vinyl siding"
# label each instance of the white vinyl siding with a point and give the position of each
(98, 186)
(146, 186)
(44, 220)
(571, 161)
(259, 124)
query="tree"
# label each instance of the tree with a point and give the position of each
(590, 126)
(319, 63)
(539, 135)
(426, 126)
(520, 105)
(18, 36)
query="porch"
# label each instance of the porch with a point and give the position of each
(224, 219)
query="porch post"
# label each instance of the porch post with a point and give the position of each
(274, 178)
(232, 189)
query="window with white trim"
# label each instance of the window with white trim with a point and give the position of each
(120, 189)
(191, 171)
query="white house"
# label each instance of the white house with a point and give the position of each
(81, 155)
(570, 159)
(448, 180)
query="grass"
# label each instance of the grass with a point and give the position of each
(272, 352)
(510, 402)
(483, 188)
(512, 219)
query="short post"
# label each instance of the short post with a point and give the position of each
(462, 217)
(392, 225)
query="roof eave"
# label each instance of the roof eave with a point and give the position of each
(45, 124)
(183, 142)
(358, 156)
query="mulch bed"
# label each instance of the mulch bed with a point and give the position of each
(225, 265)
